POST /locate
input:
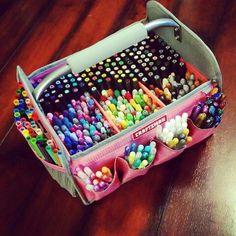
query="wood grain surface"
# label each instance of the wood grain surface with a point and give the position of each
(194, 194)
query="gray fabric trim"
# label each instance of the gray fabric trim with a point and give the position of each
(63, 180)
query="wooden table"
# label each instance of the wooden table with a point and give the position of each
(194, 194)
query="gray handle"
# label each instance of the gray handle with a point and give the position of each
(103, 49)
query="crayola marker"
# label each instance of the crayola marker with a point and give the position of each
(55, 152)
(33, 141)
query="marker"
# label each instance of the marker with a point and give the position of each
(33, 144)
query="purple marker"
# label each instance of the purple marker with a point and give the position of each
(196, 111)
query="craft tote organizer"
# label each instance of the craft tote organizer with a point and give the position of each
(199, 60)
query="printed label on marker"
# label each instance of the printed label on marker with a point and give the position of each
(149, 127)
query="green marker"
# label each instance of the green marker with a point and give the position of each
(39, 137)
(114, 101)
(33, 144)
(130, 122)
(117, 93)
(75, 84)
(129, 117)
(18, 91)
(136, 163)
(151, 157)
(125, 101)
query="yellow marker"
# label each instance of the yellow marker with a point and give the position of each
(104, 93)
(186, 132)
(24, 93)
(132, 102)
(87, 79)
(214, 90)
(131, 158)
(124, 124)
(173, 142)
(106, 170)
(167, 94)
(112, 107)
(16, 102)
(25, 133)
(149, 101)
(57, 158)
(143, 164)
(200, 118)
(136, 106)
(145, 98)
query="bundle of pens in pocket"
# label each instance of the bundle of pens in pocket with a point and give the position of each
(26, 121)
(208, 113)
(95, 181)
(175, 133)
(140, 156)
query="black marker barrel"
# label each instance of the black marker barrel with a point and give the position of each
(135, 83)
(100, 84)
(128, 85)
(119, 84)
(95, 93)
(108, 81)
